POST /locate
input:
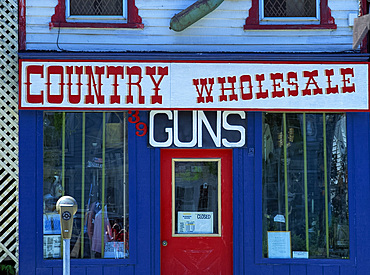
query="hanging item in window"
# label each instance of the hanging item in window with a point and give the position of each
(85, 156)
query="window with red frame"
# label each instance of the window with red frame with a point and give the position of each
(109, 8)
(290, 14)
(96, 14)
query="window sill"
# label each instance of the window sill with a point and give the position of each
(312, 261)
(289, 26)
(96, 25)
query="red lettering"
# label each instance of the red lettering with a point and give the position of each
(115, 72)
(156, 98)
(57, 99)
(74, 99)
(246, 78)
(203, 82)
(135, 70)
(261, 94)
(30, 70)
(222, 81)
(274, 78)
(89, 98)
(330, 89)
(293, 75)
(311, 81)
(345, 88)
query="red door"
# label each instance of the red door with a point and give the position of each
(196, 211)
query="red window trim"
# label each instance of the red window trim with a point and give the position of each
(253, 22)
(59, 18)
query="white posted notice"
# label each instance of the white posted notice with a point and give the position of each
(195, 223)
(279, 245)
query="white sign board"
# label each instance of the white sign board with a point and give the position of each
(300, 254)
(279, 244)
(195, 223)
(136, 85)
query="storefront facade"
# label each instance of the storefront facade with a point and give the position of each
(236, 143)
(262, 169)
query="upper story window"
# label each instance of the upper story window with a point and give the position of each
(288, 9)
(96, 14)
(289, 14)
(92, 10)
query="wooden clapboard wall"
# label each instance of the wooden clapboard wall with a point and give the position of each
(9, 131)
(221, 30)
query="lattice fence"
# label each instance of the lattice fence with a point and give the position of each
(9, 130)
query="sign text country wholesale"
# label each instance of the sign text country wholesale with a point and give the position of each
(193, 85)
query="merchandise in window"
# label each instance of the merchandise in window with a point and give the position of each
(85, 156)
(289, 14)
(96, 14)
(305, 186)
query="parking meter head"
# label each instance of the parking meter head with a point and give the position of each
(67, 201)
(66, 207)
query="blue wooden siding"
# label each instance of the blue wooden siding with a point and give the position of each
(145, 200)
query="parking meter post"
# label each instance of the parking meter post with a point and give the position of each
(66, 207)
(66, 256)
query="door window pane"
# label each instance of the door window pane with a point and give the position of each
(196, 202)
(305, 182)
(85, 156)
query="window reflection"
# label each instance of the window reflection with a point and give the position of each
(196, 197)
(305, 182)
(85, 156)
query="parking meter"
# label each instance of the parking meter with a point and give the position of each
(66, 207)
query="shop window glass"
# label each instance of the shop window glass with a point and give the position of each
(305, 186)
(85, 156)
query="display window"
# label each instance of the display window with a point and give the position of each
(85, 156)
(305, 186)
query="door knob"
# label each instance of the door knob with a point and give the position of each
(164, 243)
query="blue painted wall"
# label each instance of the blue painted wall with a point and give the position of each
(144, 199)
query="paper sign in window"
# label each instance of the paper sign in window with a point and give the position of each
(279, 245)
(195, 222)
